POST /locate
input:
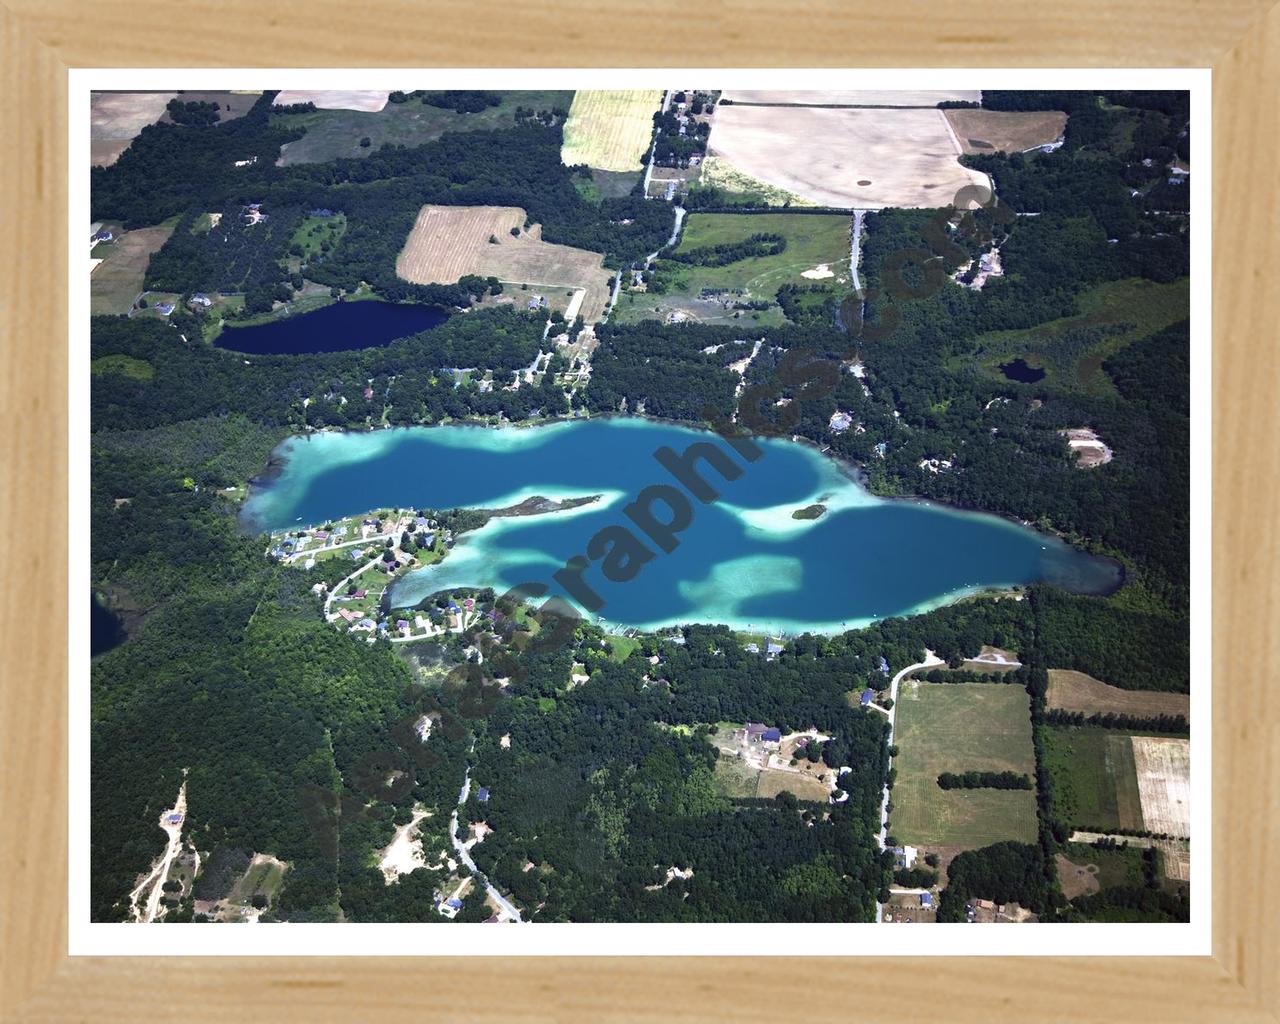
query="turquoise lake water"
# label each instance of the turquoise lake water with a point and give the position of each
(742, 560)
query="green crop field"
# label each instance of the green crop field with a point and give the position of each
(1095, 783)
(958, 727)
(817, 244)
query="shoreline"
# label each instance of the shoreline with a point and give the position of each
(852, 471)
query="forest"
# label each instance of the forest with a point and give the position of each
(291, 731)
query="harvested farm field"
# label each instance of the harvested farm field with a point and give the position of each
(1163, 767)
(449, 242)
(115, 118)
(1075, 691)
(852, 97)
(1005, 131)
(959, 727)
(846, 158)
(230, 104)
(335, 99)
(610, 129)
(115, 283)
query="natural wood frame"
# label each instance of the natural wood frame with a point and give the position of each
(40, 39)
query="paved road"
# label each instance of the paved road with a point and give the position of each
(931, 660)
(464, 855)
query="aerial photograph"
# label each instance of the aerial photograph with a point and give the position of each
(672, 505)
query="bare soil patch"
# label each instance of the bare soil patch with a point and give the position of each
(1005, 131)
(1075, 691)
(449, 242)
(1164, 783)
(852, 97)
(115, 118)
(821, 154)
(1076, 879)
(335, 99)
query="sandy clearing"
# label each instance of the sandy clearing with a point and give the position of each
(853, 97)
(906, 157)
(1076, 691)
(368, 100)
(448, 242)
(1164, 783)
(1005, 131)
(610, 129)
(819, 272)
(1076, 879)
(404, 853)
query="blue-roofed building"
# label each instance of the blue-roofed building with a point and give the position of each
(454, 902)
(771, 736)
(926, 901)
(884, 666)
(482, 794)
(772, 648)
(865, 699)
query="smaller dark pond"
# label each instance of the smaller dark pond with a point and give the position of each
(105, 630)
(1019, 370)
(337, 327)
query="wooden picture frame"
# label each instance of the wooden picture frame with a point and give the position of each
(41, 39)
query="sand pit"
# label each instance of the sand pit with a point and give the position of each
(115, 118)
(368, 100)
(404, 853)
(448, 242)
(909, 156)
(1006, 131)
(819, 272)
(853, 97)
(1164, 782)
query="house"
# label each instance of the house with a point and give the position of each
(771, 736)
(755, 730)
(865, 699)
(174, 819)
(200, 299)
(368, 394)
(753, 649)
(884, 666)
(163, 308)
(926, 901)
(482, 794)
(402, 624)
(103, 236)
(454, 903)
(771, 648)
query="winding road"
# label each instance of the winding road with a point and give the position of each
(464, 855)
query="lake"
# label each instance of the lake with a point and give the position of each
(336, 327)
(742, 560)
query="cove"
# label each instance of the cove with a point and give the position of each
(742, 561)
(339, 326)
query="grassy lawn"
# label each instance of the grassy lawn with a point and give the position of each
(1095, 783)
(812, 239)
(313, 232)
(961, 727)
(621, 646)
(138, 369)
(1115, 867)
(1072, 350)
(116, 282)
(337, 133)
